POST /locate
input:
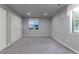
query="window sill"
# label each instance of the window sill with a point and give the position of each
(74, 33)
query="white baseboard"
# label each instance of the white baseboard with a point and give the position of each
(37, 36)
(65, 45)
(9, 44)
(5, 47)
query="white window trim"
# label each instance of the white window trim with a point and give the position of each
(71, 31)
(71, 22)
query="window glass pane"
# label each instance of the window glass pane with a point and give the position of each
(33, 24)
(75, 21)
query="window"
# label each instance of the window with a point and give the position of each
(33, 23)
(75, 20)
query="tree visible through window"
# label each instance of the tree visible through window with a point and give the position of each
(33, 23)
(75, 20)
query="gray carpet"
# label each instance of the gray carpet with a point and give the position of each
(41, 45)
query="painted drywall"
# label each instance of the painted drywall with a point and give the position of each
(10, 37)
(44, 28)
(16, 26)
(13, 19)
(8, 28)
(10, 25)
(2, 28)
(60, 30)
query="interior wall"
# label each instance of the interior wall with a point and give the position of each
(2, 28)
(10, 26)
(44, 28)
(16, 26)
(13, 26)
(60, 30)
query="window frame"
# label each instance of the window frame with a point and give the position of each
(33, 19)
(71, 23)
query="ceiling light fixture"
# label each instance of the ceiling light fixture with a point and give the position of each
(45, 14)
(28, 13)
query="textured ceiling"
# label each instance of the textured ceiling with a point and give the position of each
(36, 10)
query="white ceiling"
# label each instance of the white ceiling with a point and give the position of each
(36, 10)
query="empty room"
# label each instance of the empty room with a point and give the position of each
(39, 28)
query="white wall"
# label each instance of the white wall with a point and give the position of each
(61, 30)
(2, 28)
(44, 28)
(16, 26)
(10, 27)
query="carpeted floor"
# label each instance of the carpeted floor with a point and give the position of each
(40, 45)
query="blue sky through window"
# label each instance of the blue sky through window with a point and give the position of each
(33, 24)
